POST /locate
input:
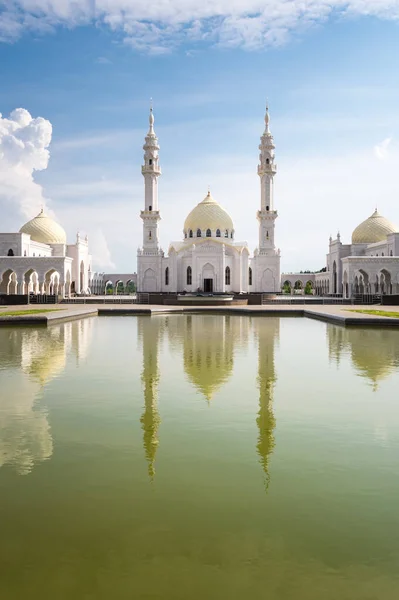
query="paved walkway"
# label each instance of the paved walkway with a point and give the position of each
(332, 313)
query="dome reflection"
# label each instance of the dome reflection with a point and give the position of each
(374, 352)
(207, 344)
(30, 358)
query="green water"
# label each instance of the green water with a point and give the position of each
(199, 457)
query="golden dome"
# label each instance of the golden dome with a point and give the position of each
(372, 230)
(208, 214)
(45, 230)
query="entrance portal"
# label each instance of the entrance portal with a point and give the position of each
(208, 286)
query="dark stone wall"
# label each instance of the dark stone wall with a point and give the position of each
(392, 300)
(13, 299)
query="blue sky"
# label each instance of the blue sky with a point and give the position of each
(333, 87)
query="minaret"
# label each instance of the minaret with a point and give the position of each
(149, 331)
(151, 171)
(267, 334)
(266, 171)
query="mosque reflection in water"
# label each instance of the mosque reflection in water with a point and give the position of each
(207, 344)
(29, 360)
(374, 352)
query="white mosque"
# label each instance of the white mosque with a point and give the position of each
(369, 265)
(39, 260)
(208, 257)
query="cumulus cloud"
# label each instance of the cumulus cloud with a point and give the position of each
(158, 26)
(24, 149)
(100, 251)
(381, 150)
(24, 143)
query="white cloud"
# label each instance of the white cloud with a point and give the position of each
(103, 60)
(24, 143)
(381, 150)
(160, 25)
(100, 251)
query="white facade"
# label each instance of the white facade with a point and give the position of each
(38, 260)
(208, 258)
(369, 265)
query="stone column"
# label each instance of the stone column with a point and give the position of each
(223, 273)
(194, 277)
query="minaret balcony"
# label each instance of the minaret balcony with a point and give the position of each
(150, 215)
(266, 215)
(267, 169)
(151, 170)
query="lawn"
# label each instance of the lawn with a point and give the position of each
(378, 313)
(32, 311)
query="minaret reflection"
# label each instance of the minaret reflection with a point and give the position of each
(374, 352)
(267, 331)
(208, 344)
(29, 359)
(150, 330)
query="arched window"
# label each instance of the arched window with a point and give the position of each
(382, 254)
(149, 235)
(268, 161)
(226, 233)
(10, 252)
(189, 276)
(250, 276)
(198, 232)
(231, 234)
(227, 276)
(190, 233)
(267, 208)
(167, 276)
(217, 232)
(150, 208)
(208, 233)
(150, 161)
(391, 253)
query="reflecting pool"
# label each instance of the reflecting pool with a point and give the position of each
(199, 457)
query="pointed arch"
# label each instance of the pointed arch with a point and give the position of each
(189, 278)
(218, 233)
(250, 276)
(167, 276)
(227, 276)
(149, 281)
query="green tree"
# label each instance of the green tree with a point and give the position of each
(130, 288)
(308, 288)
(287, 288)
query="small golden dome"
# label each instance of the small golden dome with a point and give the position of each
(44, 230)
(372, 230)
(208, 214)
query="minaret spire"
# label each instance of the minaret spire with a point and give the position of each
(151, 120)
(151, 171)
(267, 118)
(266, 171)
